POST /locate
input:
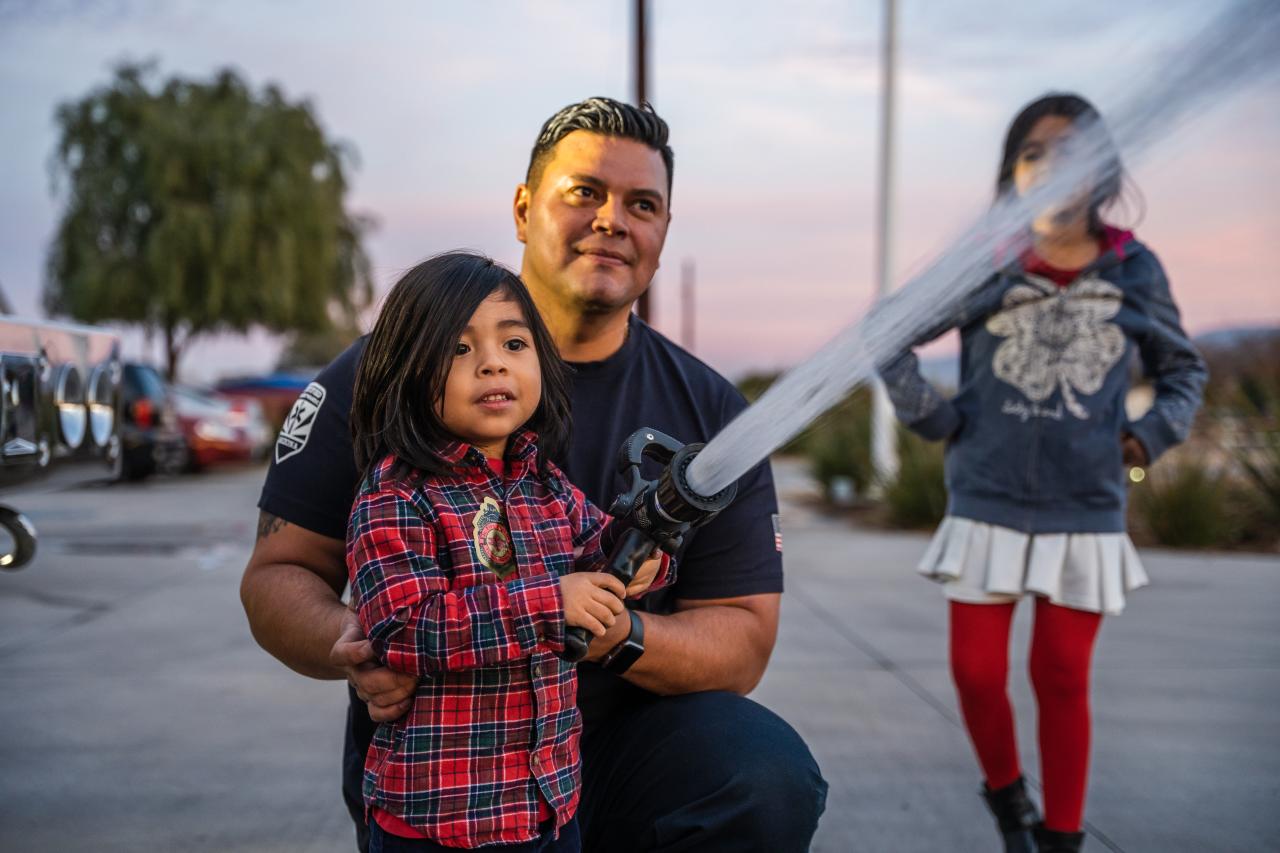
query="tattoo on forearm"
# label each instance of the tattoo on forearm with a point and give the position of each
(268, 524)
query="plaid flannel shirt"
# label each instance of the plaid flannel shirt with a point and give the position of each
(456, 579)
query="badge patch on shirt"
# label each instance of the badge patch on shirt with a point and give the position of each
(777, 532)
(491, 539)
(297, 426)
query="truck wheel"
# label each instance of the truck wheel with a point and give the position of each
(17, 539)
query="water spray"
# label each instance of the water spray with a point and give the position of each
(1241, 43)
(652, 514)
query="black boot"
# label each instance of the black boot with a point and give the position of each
(1050, 841)
(1015, 814)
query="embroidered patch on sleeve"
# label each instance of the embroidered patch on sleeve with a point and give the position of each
(297, 426)
(777, 532)
(491, 539)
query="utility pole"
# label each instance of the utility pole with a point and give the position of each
(884, 448)
(688, 278)
(640, 50)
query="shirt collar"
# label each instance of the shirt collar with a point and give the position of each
(522, 451)
(1012, 256)
(522, 445)
(610, 364)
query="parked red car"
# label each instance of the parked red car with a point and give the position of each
(218, 429)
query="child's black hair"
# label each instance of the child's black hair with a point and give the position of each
(1081, 112)
(402, 373)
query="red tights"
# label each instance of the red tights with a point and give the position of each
(1061, 647)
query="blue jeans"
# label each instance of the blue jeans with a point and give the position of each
(703, 772)
(381, 841)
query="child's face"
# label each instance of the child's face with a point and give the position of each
(495, 382)
(1035, 160)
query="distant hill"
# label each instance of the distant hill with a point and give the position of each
(1241, 336)
(941, 370)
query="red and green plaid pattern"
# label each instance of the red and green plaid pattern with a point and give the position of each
(494, 727)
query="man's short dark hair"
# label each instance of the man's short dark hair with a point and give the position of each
(606, 117)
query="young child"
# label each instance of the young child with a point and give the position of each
(1038, 446)
(469, 554)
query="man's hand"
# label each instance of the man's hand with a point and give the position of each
(388, 693)
(644, 576)
(1133, 453)
(602, 644)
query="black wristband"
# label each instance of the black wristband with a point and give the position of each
(619, 659)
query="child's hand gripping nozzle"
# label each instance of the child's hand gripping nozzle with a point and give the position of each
(651, 513)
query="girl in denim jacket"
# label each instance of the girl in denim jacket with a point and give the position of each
(1038, 445)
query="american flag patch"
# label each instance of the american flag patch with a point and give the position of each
(777, 532)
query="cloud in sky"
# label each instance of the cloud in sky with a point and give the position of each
(774, 114)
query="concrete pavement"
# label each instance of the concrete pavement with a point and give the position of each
(137, 712)
(1186, 689)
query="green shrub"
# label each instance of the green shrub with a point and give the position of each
(839, 444)
(1262, 497)
(918, 495)
(754, 384)
(1184, 503)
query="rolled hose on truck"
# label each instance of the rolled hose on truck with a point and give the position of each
(60, 401)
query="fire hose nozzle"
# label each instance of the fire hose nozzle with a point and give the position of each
(676, 499)
(652, 513)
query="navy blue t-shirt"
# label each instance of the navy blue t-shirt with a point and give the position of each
(649, 382)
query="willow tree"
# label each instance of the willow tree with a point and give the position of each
(194, 208)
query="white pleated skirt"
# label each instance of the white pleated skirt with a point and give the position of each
(981, 563)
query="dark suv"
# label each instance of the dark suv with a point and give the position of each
(150, 436)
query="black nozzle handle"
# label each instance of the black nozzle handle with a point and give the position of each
(576, 641)
(646, 442)
(629, 553)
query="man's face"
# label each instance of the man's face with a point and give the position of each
(594, 226)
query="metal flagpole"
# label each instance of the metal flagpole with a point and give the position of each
(641, 50)
(688, 278)
(884, 448)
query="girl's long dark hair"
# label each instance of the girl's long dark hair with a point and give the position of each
(1079, 111)
(401, 377)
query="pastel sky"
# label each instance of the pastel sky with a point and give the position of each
(773, 108)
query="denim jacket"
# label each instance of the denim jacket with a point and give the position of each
(1034, 432)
